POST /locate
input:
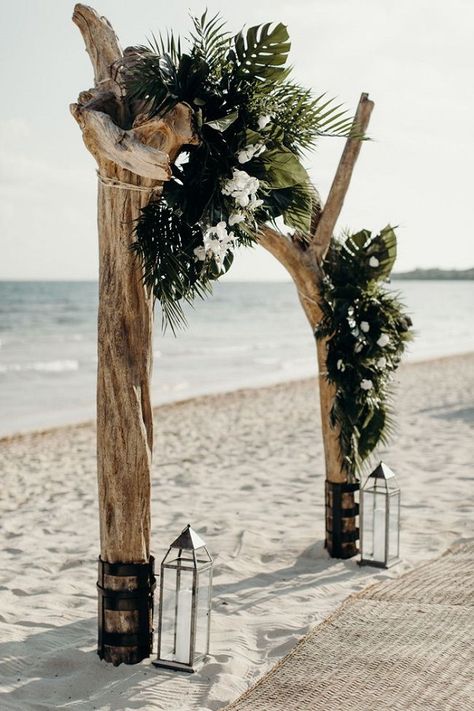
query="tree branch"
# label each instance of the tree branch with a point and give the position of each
(327, 222)
(101, 42)
(282, 249)
(106, 141)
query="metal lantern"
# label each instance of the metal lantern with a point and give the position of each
(185, 603)
(380, 518)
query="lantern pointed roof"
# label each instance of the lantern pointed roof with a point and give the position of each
(382, 472)
(188, 540)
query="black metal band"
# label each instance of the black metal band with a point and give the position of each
(140, 599)
(338, 537)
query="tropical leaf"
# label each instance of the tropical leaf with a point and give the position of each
(222, 124)
(356, 242)
(153, 79)
(262, 52)
(298, 213)
(169, 45)
(291, 203)
(282, 168)
(165, 245)
(210, 41)
(300, 118)
(384, 248)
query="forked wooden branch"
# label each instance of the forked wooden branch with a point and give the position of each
(303, 262)
(340, 185)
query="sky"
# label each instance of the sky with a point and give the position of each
(413, 57)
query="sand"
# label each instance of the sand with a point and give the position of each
(246, 470)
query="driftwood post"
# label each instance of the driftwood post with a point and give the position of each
(133, 157)
(303, 262)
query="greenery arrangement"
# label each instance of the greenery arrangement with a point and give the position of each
(254, 126)
(367, 331)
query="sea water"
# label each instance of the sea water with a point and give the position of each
(245, 335)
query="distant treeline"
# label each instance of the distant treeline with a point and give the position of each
(436, 274)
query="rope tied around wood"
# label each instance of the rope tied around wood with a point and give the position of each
(122, 185)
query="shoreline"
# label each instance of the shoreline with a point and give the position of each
(80, 424)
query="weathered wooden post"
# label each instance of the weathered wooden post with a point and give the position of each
(133, 156)
(303, 262)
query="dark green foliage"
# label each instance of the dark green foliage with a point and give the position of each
(239, 92)
(165, 244)
(211, 42)
(261, 53)
(353, 295)
(301, 118)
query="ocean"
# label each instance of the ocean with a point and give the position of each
(245, 335)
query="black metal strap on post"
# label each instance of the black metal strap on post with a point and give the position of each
(336, 532)
(139, 600)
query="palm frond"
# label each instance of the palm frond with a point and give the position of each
(301, 118)
(153, 79)
(210, 41)
(168, 44)
(165, 245)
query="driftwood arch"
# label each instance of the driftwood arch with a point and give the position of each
(133, 156)
(303, 262)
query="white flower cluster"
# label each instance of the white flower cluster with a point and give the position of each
(217, 243)
(358, 331)
(243, 188)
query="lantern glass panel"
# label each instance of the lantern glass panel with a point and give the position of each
(367, 523)
(168, 602)
(394, 525)
(379, 515)
(203, 612)
(177, 608)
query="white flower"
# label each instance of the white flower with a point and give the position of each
(200, 253)
(364, 326)
(249, 152)
(374, 262)
(366, 384)
(340, 365)
(235, 218)
(242, 200)
(383, 341)
(358, 347)
(264, 120)
(381, 363)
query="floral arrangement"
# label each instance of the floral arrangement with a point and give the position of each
(254, 125)
(366, 331)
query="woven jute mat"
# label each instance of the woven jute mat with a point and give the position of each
(401, 645)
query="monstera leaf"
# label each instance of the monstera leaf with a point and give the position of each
(384, 248)
(262, 52)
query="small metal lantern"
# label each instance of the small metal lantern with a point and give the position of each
(185, 603)
(380, 518)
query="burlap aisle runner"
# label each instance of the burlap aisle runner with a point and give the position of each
(405, 644)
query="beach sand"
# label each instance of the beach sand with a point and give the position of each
(246, 470)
